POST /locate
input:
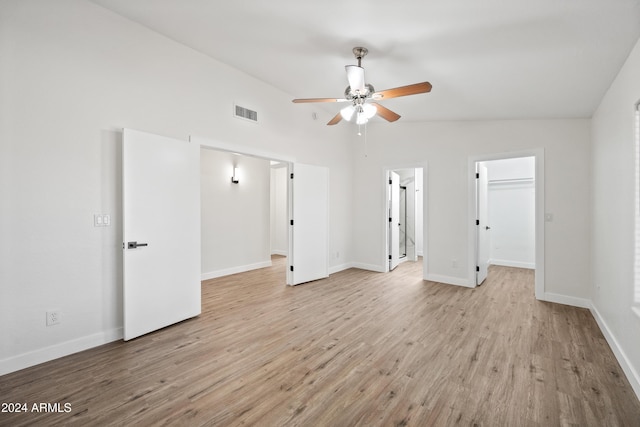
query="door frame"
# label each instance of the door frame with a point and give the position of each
(538, 154)
(385, 213)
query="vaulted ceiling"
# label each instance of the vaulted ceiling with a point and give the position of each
(491, 59)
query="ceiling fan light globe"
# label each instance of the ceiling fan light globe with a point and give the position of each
(369, 111)
(361, 119)
(347, 112)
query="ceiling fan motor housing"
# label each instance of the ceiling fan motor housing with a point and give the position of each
(350, 95)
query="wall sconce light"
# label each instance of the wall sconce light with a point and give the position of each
(236, 176)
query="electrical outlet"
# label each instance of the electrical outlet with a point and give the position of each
(53, 317)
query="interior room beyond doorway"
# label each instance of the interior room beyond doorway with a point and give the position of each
(404, 209)
(506, 214)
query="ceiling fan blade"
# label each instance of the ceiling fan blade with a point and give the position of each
(413, 89)
(302, 100)
(355, 75)
(385, 113)
(335, 119)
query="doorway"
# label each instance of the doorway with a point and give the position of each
(307, 198)
(506, 205)
(404, 215)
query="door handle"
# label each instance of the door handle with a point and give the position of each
(133, 245)
(487, 227)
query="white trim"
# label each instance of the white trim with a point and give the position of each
(341, 267)
(369, 267)
(566, 300)
(235, 270)
(623, 360)
(279, 252)
(636, 258)
(516, 264)
(46, 354)
(449, 280)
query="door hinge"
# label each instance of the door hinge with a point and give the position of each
(390, 182)
(477, 175)
(390, 258)
(477, 222)
(291, 268)
(291, 222)
(292, 176)
(477, 268)
(389, 219)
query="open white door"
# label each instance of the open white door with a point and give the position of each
(161, 229)
(309, 224)
(482, 223)
(394, 220)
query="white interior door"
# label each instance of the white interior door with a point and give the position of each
(482, 223)
(309, 224)
(161, 230)
(394, 220)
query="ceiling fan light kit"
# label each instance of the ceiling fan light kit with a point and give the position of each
(358, 93)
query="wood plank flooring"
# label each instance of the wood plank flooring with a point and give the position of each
(357, 349)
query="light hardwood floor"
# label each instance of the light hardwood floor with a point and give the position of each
(359, 348)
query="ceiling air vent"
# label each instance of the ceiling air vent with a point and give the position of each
(245, 113)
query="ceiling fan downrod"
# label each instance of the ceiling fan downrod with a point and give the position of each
(360, 52)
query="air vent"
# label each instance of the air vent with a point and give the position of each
(246, 114)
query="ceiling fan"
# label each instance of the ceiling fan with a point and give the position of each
(361, 95)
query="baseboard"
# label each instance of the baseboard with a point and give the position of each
(46, 354)
(516, 264)
(341, 267)
(448, 280)
(567, 300)
(279, 252)
(623, 360)
(234, 270)
(369, 267)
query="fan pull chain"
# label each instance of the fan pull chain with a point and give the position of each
(365, 138)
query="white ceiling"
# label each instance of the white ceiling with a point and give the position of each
(491, 59)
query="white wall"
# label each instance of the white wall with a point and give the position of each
(72, 75)
(235, 217)
(511, 204)
(279, 226)
(612, 205)
(446, 147)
